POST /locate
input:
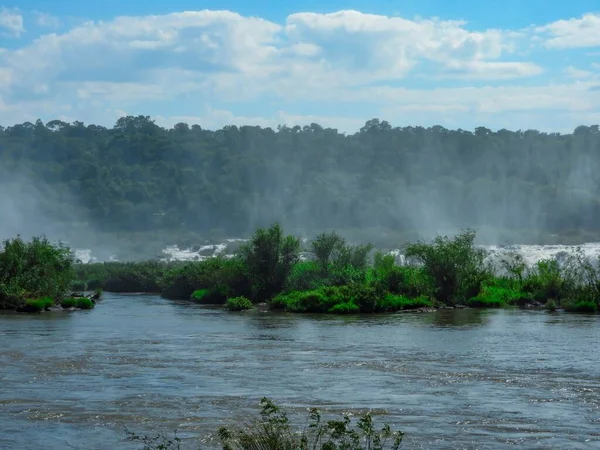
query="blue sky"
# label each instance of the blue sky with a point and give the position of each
(501, 64)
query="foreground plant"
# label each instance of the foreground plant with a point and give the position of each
(273, 431)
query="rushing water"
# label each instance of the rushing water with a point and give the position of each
(453, 379)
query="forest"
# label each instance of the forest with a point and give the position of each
(139, 177)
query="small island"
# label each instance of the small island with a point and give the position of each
(37, 276)
(329, 275)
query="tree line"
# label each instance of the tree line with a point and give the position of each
(138, 176)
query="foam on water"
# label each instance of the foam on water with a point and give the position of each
(530, 253)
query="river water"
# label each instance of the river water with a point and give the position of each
(453, 379)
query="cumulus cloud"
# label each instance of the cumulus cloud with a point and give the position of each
(373, 65)
(573, 33)
(11, 22)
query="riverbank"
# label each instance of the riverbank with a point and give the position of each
(349, 279)
(326, 275)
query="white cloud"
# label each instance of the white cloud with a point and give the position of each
(11, 22)
(573, 33)
(46, 20)
(573, 72)
(364, 63)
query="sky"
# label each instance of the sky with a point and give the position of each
(511, 64)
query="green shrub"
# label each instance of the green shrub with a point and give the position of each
(39, 304)
(329, 299)
(544, 281)
(456, 266)
(85, 303)
(345, 308)
(270, 258)
(238, 304)
(580, 306)
(69, 302)
(77, 302)
(79, 285)
(551, 305)
(199, 295)
(306, 275)
(496, 297)
(274, 432)
(33, 270)
(212, 296)
(394, 302)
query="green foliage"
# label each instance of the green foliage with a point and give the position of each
(444, 271)
(270, 258)
(581, 306)
(456, 266)
(39, 304)
(79, 285)
(410, 281)
(274, 431)
(545, 281)
(77, 302)
(305, 275)
(157, 442)
(238, 304)
(551, 305)
(495, 297)
(32, 270)
(123, 277)
(394, 302)
(212, 296)
(326, 248)
(138, 177)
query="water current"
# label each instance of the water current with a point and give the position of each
(453, 379)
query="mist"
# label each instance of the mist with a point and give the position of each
(135, 188)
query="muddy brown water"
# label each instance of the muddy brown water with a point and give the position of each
(453, 379)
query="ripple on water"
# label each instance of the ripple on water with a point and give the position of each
(452, 379)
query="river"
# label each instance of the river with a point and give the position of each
(453, 379)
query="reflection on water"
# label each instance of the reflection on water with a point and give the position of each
(450, 379)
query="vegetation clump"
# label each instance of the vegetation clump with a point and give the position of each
(238, 304)
(340, 278)
(273, 430)
(34, 270)
(77, 302)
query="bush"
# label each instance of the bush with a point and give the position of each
(38, 304)
(273, 431)
(329, 299)
(238, 304)
(33, 270)
(496, 297)
(79, 285)
(551, 305)
(77, 302)
(394, 302)
(456, 266)
(270, 258)
(213, 296)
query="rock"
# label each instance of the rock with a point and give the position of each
(528, 303)
(55, 308)
(460, 307)
(419, 310)
(27, 309)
